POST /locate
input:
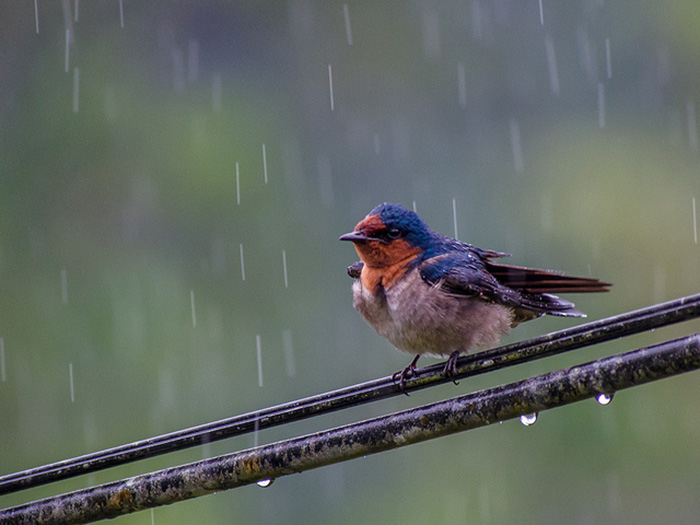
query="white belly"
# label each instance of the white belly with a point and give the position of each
(419, 318)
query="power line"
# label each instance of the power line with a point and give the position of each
(303, 453)
(554, 343)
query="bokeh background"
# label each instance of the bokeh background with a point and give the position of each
(147, 243)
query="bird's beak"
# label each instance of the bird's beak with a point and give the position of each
(354, 237)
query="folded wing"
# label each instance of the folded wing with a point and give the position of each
(518, 287)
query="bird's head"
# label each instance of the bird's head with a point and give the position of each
(388, 235)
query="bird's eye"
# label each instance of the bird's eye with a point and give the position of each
(393, 233)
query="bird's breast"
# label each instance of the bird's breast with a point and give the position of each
(377, 280)
(421, 318)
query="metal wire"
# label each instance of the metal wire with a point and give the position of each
(268, 462)
(554, 343)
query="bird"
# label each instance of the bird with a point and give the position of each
(428, 293)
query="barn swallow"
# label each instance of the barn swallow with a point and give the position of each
(430, 294)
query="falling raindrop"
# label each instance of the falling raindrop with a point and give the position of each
(604, 399)
(454, 216)
(264, 152)
(284, 268)
(601, 105)
(153, 516)
(264, 483)
(64, 286)
(346, 14)
(414, 207)
(75, 14)
(70, 376)
(695, 223)
(242, 263)
(516, 146)
(238, 184)
(194, 315)
(36, 16)
(67, 50)
(330, 86)
(608, 61)
(552, 65)
(529, 419)
(76, 88)
(121, 13)
(259, 353)
(3, 374)
(541, 14)
(461, 86)
(290, 365)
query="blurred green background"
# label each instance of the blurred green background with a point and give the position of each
(566, 136)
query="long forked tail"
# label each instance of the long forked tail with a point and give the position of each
(543, 281)
(537, 286)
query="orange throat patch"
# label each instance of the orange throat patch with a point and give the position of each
(384, 262)
(375, 280)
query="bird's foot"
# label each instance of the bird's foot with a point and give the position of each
(450, 370)
(404, 374)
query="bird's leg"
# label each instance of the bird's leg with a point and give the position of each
(405, 373)
(450, 370)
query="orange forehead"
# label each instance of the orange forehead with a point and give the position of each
(370, 224)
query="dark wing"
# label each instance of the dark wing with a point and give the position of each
(470, 276)
(457, 274)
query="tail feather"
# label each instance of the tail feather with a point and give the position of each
(537, 287)
(544, 281)
(545, 303)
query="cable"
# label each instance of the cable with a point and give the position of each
(387, 432)
(554, 343)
